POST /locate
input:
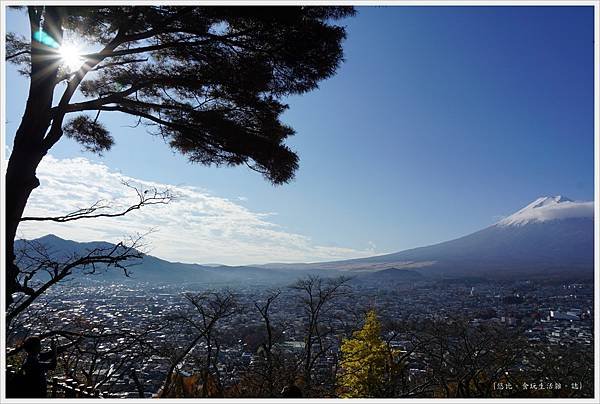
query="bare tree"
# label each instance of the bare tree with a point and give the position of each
(267, 346)
(274, 366)
(316, 296)
(40, 268)
(399, 382)
(210, 308)
(95, 358)
(465, 360)
(571, 365)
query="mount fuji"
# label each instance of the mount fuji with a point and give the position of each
(551, 236)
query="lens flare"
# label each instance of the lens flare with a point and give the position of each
(70, 56)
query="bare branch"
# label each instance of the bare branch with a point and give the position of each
(121, 255)
(146, 197)
(211, 308)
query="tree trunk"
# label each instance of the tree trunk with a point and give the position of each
(28, 149)
(20, 182)
(307, 363)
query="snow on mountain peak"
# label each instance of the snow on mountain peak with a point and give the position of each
(549, 208)
(547, 201)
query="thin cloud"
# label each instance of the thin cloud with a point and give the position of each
(196, 227)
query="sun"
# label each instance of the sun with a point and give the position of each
(70, 56)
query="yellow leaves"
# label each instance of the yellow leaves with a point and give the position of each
(364, 360)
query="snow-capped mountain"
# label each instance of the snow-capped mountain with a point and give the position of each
(549, 208)
(552, 235)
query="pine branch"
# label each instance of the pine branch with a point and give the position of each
(15, 55)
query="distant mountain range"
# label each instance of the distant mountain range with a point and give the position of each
(155, 270)
(552, 236)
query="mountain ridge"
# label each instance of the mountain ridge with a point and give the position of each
(551, 234)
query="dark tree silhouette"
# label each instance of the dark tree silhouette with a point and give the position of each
(316, 296)
(266, 347)
(209, 80)
(92, 355)
(268, 374)
(41, 268)
(211, 308)
(464, 360)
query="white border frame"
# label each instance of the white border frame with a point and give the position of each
(594, 3)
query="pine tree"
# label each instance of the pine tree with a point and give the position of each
(209, 80)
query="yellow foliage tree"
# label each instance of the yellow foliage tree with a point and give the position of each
(365, 360)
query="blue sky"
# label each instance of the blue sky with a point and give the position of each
(441, 121)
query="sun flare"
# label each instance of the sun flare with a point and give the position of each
(70, 56)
